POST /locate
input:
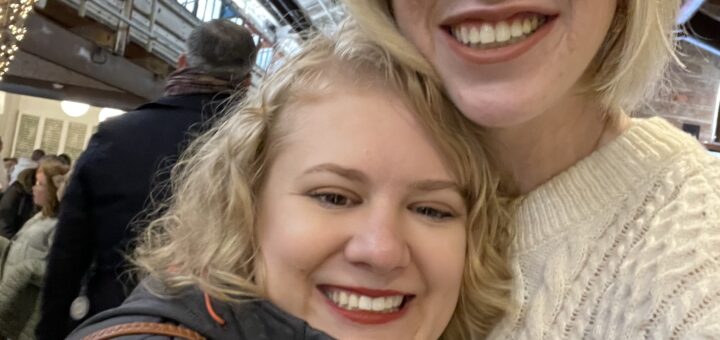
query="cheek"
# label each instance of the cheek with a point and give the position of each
(587, 28)
(293, 245)
(441, 257)
(39, 194)
(413, 21)
(441, 261)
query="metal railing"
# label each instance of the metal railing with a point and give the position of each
(161, 26)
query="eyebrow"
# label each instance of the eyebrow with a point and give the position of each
(358, 176)
(435, 185)
(350, 174)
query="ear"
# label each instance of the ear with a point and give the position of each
(182, 62)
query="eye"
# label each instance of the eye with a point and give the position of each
(332, 199)
(433, 213)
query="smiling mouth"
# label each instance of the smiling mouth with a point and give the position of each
(490, 35)
(366, 301)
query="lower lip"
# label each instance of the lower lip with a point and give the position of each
(500, 54)
(365, 317)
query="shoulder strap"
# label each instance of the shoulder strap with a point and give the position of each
(138, 328)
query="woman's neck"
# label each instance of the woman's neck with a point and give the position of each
(531, 153)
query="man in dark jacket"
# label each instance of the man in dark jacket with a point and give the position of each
(114, 177)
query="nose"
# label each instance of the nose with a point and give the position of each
(378, 243)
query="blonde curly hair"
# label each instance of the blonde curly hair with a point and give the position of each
(206, 236)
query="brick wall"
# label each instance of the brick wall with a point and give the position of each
(692, 94)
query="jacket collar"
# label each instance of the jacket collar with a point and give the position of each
(254, 319)
(194, 102)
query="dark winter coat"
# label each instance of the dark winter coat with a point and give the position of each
(259, 319)
(16, 204)
(110, 186)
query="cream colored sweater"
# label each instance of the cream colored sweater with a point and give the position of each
(623, 245)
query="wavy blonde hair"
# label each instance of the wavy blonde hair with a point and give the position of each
(207, 235)
(53, 169)
(626, 70)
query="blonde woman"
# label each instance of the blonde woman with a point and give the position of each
(618, 233)
(340, 200)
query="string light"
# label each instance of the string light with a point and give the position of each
(12, 29)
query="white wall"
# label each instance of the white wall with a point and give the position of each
(16, 106)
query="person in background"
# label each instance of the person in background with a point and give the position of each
(27, 163)
(65, 158)
(112, 180)
(9, 163)
(618, 225)
(16, 204)
(24, 265)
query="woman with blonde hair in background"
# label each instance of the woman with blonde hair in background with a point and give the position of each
(342, 199)
(22, 268)
(618, 234)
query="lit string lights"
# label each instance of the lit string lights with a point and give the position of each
(12, 29)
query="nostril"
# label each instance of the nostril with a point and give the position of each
(380, 263)
(379, 246)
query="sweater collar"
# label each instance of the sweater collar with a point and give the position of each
(600, 181)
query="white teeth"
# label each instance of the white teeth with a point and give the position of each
(474, 35)
(365, 303)
(527, 26)
(465, 34)
(352, 301)
(343, 301)
(378, 304)
(516, 30)
(502, 32)
(491, 35)
(390, 302)
(487, 34)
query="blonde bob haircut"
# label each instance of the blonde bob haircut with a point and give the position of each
(626, 70)
(206, 236)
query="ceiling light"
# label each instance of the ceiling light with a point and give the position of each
(74, 109)
(107, 112)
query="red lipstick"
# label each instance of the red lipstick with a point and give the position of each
(365, 316)
(499, 54)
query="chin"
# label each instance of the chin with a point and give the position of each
(492, 111)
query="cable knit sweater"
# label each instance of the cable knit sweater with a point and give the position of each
(623, 245)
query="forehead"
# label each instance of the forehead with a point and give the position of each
(368, 129)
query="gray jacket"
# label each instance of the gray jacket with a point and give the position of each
(21, 277)
(259, 319)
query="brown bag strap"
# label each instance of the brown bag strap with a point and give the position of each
(138, 328)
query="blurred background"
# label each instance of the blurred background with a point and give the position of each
(67, 65)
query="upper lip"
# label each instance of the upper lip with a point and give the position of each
(493, 13)
(365, 291)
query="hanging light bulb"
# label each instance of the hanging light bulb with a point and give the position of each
(74, 109)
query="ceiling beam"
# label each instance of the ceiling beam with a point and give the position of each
(49, 41)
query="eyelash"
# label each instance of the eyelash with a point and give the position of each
(329, 199)
(338, 200)
(433, 213)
